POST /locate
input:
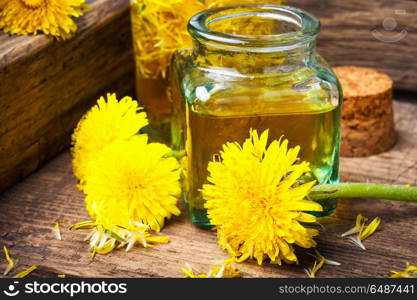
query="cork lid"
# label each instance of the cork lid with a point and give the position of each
(362, 82)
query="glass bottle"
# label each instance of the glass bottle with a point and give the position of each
(253, 66)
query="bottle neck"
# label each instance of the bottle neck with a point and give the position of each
(255, 38)
(207, 55)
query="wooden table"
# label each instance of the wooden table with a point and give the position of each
(29, 210)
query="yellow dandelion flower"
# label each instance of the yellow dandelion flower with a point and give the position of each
(106, 122)
(409, 272)
(52, 17)
(133, 181)
(256, 202)
(224, 269)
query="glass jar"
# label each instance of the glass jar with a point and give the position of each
(159, 28)
(253, 66)
(150, 73)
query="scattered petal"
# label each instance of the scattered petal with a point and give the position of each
(318, 256)
(57, 232)
(362, 230)
(360, 222)
(26, 272)
(12, 263)
(370, 229)
(103, 241)
(62, 276)
(332, 262)
(356, 240)
(409, 272)
(190, 273)
(224, 269)
(318, 264)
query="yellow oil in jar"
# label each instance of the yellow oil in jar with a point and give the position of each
(315, 128)
(253, 67)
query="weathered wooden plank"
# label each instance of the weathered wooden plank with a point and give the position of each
(29, 210)
(351, 28)
(46, 85)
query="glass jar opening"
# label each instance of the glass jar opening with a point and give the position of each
(254, 27)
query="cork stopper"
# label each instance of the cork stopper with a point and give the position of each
(367, 118)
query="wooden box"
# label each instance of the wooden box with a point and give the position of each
(46, 85)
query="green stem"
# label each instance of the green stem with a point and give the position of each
(364, 190)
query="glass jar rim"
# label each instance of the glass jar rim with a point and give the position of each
(308, 28)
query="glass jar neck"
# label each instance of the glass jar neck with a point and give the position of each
(252, 35)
